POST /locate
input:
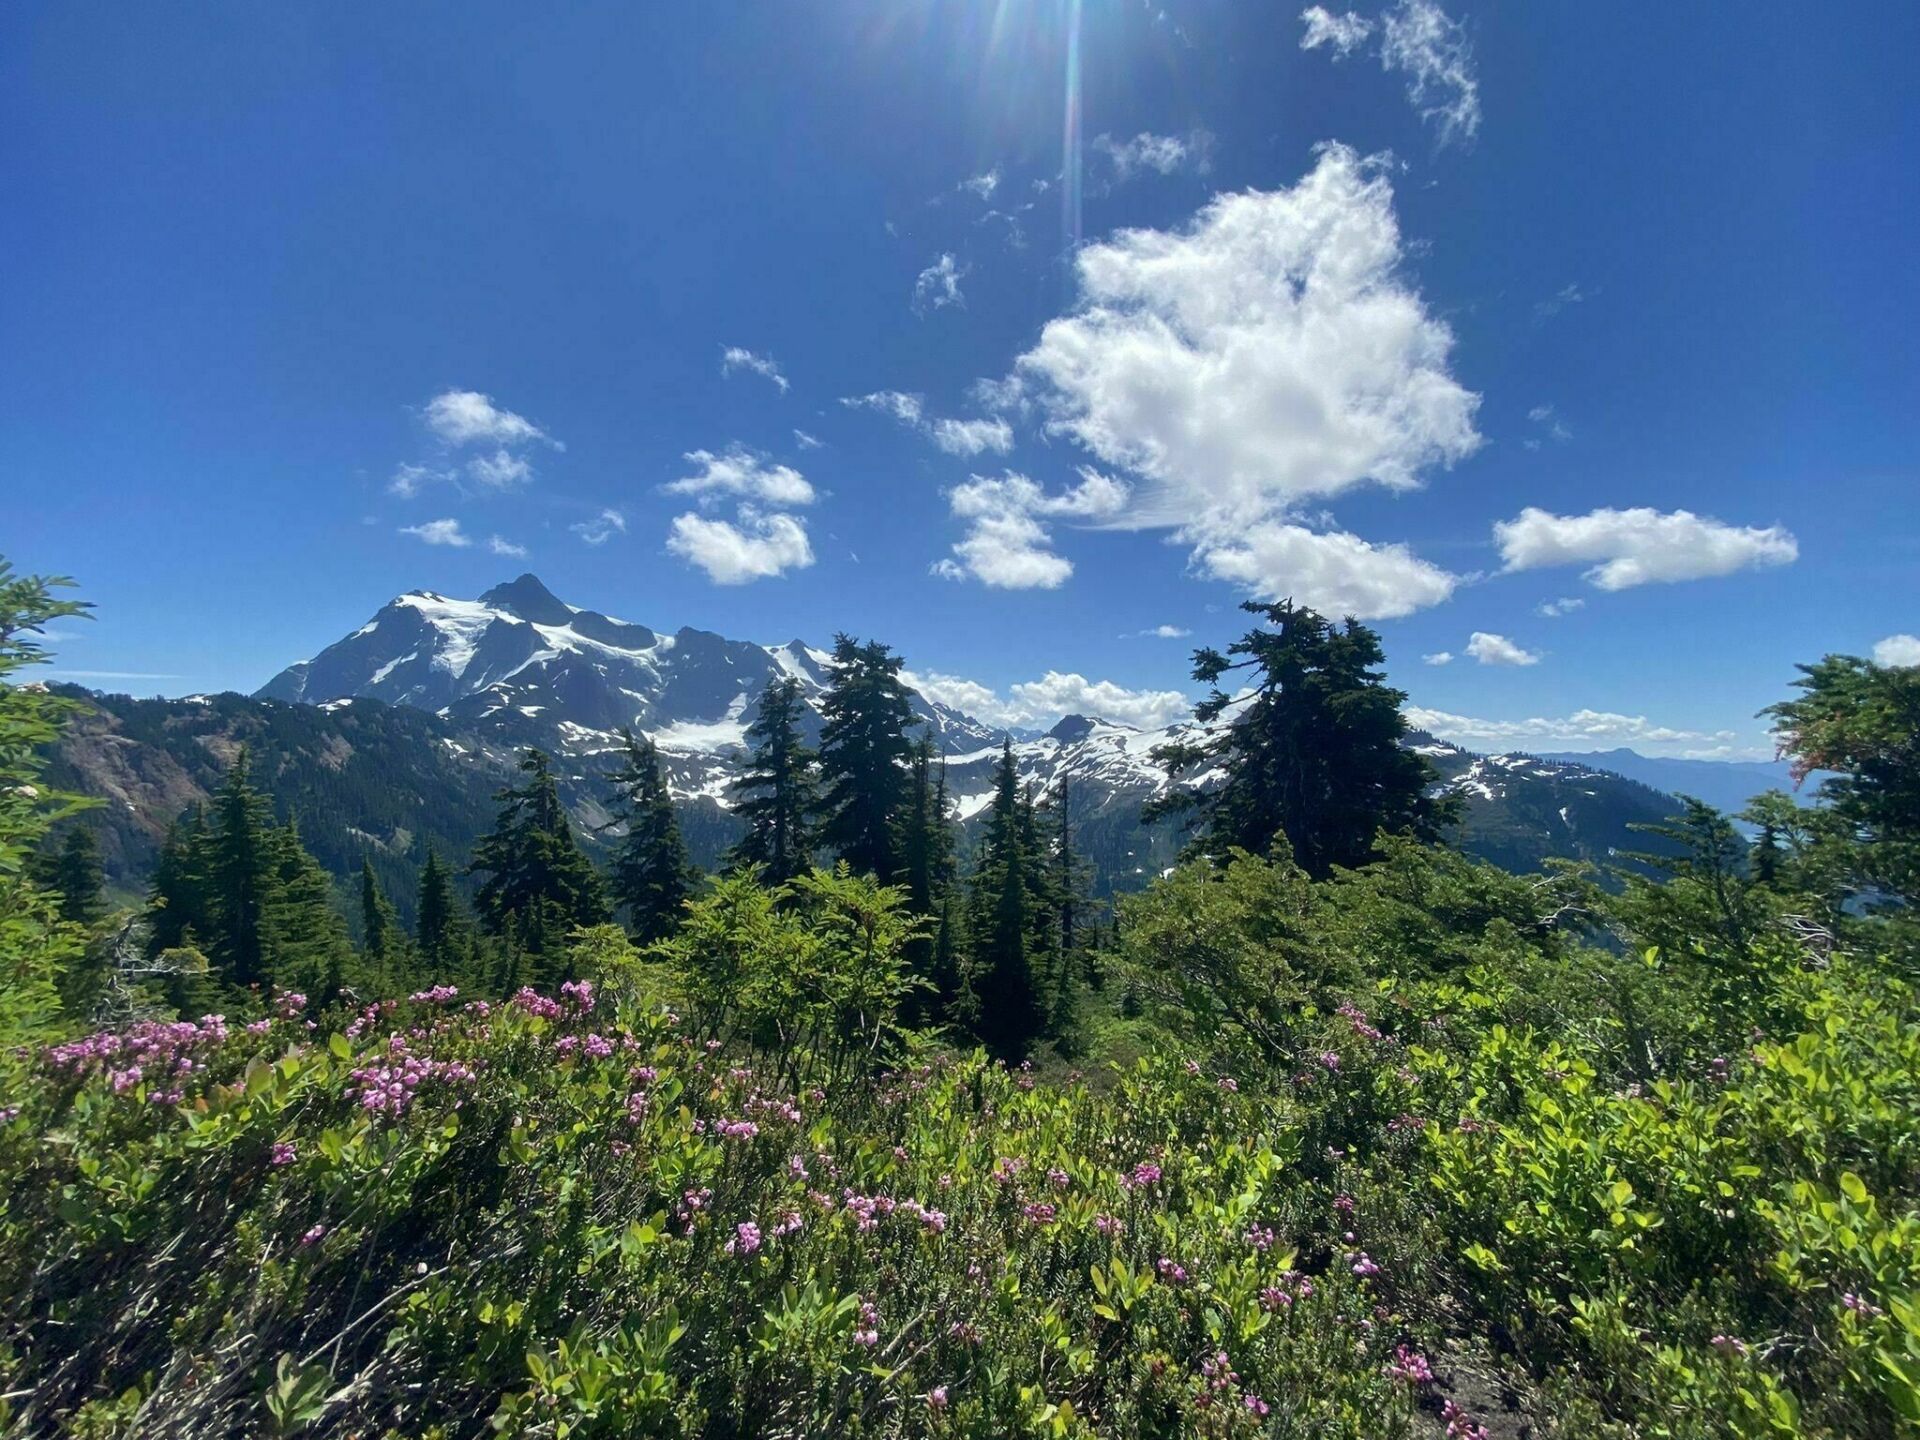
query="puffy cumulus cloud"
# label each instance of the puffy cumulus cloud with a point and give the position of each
(601, 528)
(753, 546)
(1897, 651)
(742, 473)
(1640, 546)
(1162, 154)
(467, 417)
(1491, 649)
(938, 286)
(1598, 728)
(736, 358)
(502, 470)
(1055, 695)
(1334, 572)
(1008, 545)
(1438, 657)
(1342, 34)
(955, 437)
(498, 546)
(1422, 41)
(439, 532)
(1266, 355)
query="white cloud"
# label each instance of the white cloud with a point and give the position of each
(1052, 697)
(601, 528)
(1639, 546)
(1162, 154)
(1419, 38)
(736, 357)
(758, 547)
(1582, 728)
(971, 437)
(1160, 632)
(1334, 572)
(1342, 33)
(938, 285)
(742, 473)
(983, 184)
(409, 480)
(1490, 649)
(1438, 657)
(1897, 651)
(955, 437)
(499, 546)
(1268, 354)
(806, 441)
(1549, 420)
(1554, 609)
(438, 532)
(501, 470)
(465, 417)
(1007, 546)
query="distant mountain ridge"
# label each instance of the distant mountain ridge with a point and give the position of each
(1725, 784)
(397, 736)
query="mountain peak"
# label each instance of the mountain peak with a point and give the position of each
(528, 598)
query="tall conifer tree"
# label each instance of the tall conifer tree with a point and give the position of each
(652, 876)
(538, 884)
(1310, 747)
(776, 793)
(864, 751)
(1003, 920)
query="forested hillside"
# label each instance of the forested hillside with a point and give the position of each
(1333, 1131)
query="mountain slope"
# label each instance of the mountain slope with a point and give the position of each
(1724, 784)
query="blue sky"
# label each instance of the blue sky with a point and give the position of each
(1440, 315)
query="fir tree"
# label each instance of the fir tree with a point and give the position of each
(926, 873)
(1009, 1015)
(538, 886)
(378, 927)
(305, 944)
(775, 795)
(863, 757)
(1313, 752)
(440, 928)
(652, 877)
(73, 875)
(179, 896)
(240, 874)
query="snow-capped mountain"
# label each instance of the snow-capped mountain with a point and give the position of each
(520, 667)
(519, 653)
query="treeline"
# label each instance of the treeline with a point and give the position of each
(998, 951)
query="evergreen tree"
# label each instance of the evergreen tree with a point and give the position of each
(305, 943)
(378, 927)
(926, 873)
(179, 896)
(652, 877)
(1313, 753)
(538, 886)
(775, 795)
(73, 875)
(1009, 1015)
(863, 757)
(441, 935)
(1067, 938)
(240, 872)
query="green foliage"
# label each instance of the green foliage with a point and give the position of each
(538, 886)
(1310, 749)
(652, 877)
(775, 795)
(37, 943)
(864, 754)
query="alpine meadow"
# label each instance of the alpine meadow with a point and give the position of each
(1332, 851)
